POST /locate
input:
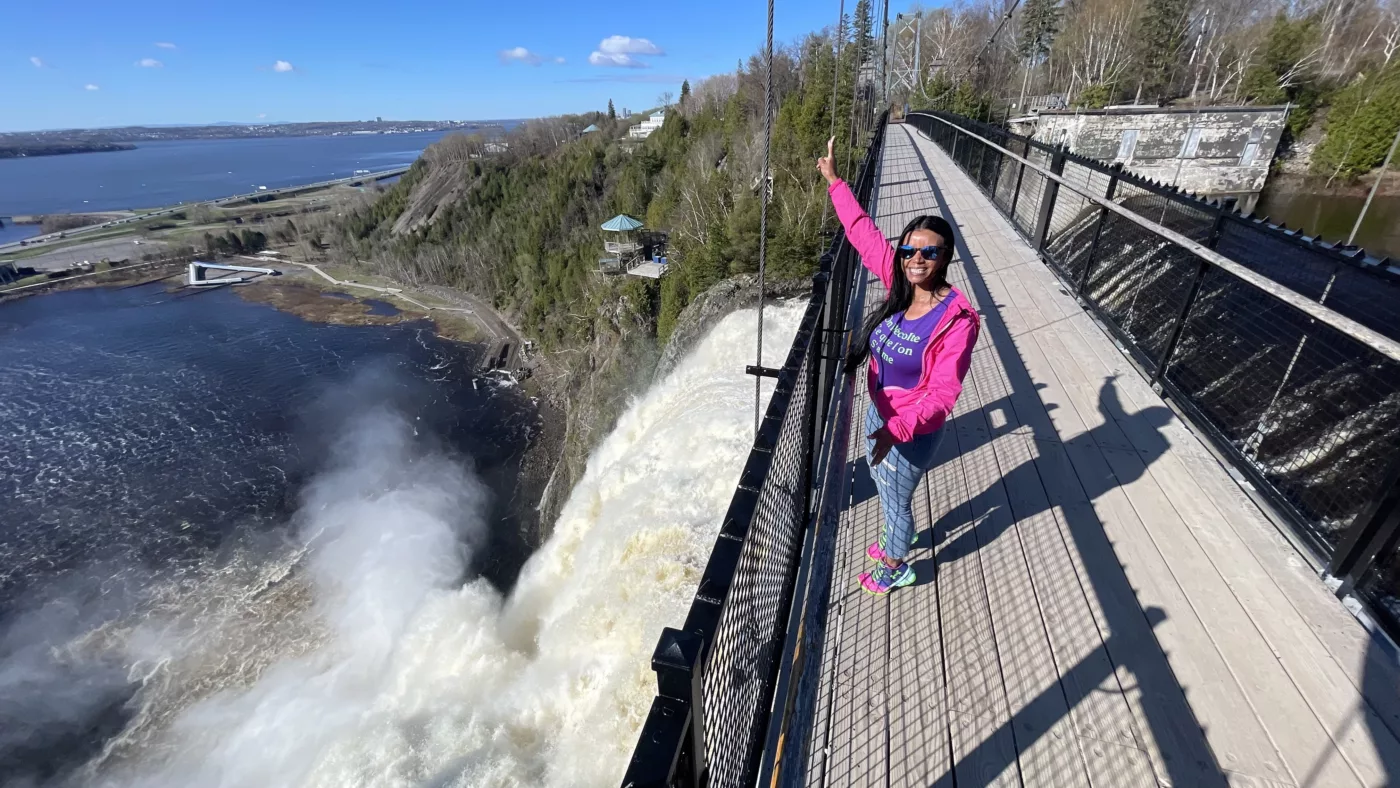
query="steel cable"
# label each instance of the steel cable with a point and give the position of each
(763, 213)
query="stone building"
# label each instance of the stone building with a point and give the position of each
(1206, 150)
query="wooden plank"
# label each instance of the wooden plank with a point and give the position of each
(920, 743)
(857, 742)
(1049, 752)
(1369, 748)
(1089, 678)
(1370, 670)
(1301, 741)
(983, 745)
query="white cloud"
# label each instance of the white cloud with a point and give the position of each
(91, 86)
(262, 115)
(619, 51)
(282, 66)
(523, 55)
(616, 60)
(625, 45)
(165, 45)
(150, 62)
(37, 62)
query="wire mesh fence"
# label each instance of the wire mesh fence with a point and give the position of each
(1308, 412)
(716, 675)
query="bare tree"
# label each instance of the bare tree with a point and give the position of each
(1096, 45)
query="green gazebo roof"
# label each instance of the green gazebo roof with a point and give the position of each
(621, 224)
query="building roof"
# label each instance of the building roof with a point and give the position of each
(621, 223)
(591, 128)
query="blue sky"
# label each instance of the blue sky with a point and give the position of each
(76, 64)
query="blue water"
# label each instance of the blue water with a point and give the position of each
(16, 232)
(165, 173)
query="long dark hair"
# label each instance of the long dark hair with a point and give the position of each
(901, 293)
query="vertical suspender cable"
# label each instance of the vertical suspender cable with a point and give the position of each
(855, 91)
(763, 213)
(835, 89)
(885, 58)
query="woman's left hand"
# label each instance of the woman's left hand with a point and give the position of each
(884, 441)
(827, 164)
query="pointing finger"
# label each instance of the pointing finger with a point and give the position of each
(829, 143)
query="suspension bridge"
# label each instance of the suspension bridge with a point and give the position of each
(1116, 587)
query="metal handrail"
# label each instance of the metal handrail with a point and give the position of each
(1322, 314)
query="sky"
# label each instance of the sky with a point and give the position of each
(90, 64)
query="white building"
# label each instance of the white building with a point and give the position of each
(644, 129)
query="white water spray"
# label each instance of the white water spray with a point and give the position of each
(415, 679)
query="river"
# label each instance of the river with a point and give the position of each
(239, 549)
(164, 173)
(1332, 217)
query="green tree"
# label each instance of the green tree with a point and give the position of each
(1040, 21)
(1160, 32)
(612, 113)
(685, 91)
(861, 26)
(1283, 73)
(1360, 125)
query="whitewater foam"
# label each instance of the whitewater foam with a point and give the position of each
(387, 670)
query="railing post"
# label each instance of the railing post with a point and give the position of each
(1222, 210)
(1371, 531)
(1098, 230)
(1016, 191)
(678, 675)
(1047, 200)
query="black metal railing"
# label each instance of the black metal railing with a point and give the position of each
(1306, 405)
(716, 675)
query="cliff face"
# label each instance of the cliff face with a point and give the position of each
(712, 306)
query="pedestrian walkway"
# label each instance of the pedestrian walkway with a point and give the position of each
(1102, 604)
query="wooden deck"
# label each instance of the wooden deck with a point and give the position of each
(1103, 604)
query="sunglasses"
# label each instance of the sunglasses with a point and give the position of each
(929, 252)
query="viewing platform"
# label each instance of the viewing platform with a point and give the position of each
(1100, 602)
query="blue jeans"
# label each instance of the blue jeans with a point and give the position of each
(896, 479)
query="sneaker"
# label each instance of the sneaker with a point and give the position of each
(875, 552)
(881, 580)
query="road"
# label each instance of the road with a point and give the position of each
(378, 175)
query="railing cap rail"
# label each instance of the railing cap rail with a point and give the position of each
(1373, 339)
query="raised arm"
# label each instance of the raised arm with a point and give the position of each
(875, 252)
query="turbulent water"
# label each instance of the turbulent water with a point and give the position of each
(357, 645)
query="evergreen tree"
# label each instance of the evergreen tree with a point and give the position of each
(1160, 33)
(861, 27)
(612, 113)
(1360, 125)
(685, 91)
(1040, 21)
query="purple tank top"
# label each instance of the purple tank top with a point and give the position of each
(898, 346)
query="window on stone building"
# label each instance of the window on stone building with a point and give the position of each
(1127, 144)
(1251, 148)
(1189, 145)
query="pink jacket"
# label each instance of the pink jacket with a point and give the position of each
(948, 354)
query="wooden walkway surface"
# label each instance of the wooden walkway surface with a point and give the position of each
(1102, 604)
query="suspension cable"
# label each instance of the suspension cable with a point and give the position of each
(855, 92)
(835, 90)
(763, 215)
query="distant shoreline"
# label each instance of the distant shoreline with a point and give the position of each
(31, 150)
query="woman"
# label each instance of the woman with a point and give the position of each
(920, 346)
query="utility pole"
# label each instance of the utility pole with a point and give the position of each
(1379, 177)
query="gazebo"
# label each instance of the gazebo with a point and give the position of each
(632, 248)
